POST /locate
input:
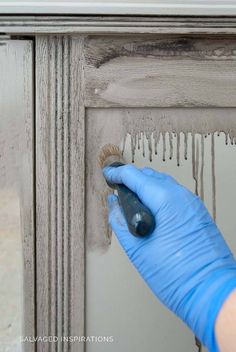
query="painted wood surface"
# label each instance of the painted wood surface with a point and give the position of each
(65, 68)
(130, 7)
(117, 24)
(72, 73)
(60, 191)
(17, 159)
(27, 191)
(162, 71)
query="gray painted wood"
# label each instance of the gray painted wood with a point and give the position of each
(61, 98)
(60, 190)
(34, 25)
(60, 140)
(149, 71)
(17, 171)
(27, 192)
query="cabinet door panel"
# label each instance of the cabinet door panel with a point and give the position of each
(195, 145)
(16, 194)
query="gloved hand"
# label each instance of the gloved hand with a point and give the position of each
(185, 261)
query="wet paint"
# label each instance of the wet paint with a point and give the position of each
(167, 134)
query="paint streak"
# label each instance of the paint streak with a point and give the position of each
(164, 146)
(213, 176)
(164, 133)
(202, 167)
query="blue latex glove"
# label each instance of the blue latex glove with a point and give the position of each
(185, 261)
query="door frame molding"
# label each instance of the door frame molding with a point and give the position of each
(186, 25)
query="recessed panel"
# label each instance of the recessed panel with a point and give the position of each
(160, 71)
(196, 146)
(16, 194)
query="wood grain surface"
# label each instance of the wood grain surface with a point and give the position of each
(160, 71)
(60, 191)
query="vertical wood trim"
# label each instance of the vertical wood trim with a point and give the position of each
(77, 193)
(27, 199)
(60, 191)
(43, 191)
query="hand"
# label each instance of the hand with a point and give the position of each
(185, 261)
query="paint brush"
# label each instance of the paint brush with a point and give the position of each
(139, 218)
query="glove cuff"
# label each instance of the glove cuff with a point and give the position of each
(205, 303)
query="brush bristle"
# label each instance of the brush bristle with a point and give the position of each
(108, 154)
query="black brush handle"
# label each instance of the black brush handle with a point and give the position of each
(139, 218)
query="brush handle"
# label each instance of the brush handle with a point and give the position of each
(139, 218)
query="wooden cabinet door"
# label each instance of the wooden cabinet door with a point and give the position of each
(17, 242)
(172, 100)
(167, 92)
(156, 82)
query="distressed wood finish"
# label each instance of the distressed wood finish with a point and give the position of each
(163, 71)
(27, 197)
(60, 190)
(17, 164)
(72, 72)
(34, 25)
